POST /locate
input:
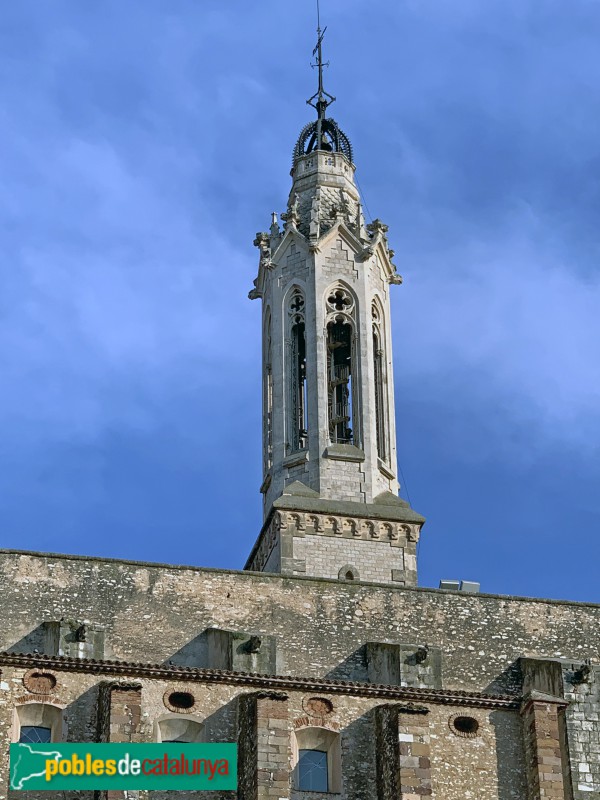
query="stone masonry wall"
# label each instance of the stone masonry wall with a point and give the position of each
(324, 545)
(545, 762)
(160, 613)
(374, 561)
(265, 724)
(582, 690)
(500, 733)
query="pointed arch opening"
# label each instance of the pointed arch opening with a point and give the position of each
(379, 378)
(342, 378)
(297, 417)
(267, 395)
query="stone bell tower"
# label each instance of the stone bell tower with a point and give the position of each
(330, 486)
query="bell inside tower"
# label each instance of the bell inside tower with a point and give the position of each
(339, 371)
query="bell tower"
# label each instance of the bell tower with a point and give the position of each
(330, 486)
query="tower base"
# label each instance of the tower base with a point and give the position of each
(305, 534)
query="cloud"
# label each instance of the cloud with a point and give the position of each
(514, 320)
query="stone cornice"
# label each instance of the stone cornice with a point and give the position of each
(251, 680)
(398, 512)
(545, 699)
(304, 515)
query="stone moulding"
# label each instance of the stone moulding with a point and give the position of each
(318, 722)
(269, 682)
(464, 734)
(339, 526)
(40, 682)
(46, 699)
(317, 706)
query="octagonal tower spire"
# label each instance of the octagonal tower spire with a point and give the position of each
(330, 487)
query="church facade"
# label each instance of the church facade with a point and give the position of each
(338, 677)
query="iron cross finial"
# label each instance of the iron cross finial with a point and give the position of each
(321, 99)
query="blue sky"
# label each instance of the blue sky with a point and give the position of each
(144, 144)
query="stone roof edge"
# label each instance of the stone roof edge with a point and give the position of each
(306, 578)
(381, 511)
(247, 679)
(257, 541)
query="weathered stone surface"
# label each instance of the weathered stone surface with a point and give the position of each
(322, 629)
(407, 693)
(328, 268)
(379, 546)
(320, 625)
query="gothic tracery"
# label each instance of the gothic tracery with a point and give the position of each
(341, 365)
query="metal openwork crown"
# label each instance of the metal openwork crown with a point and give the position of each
(324, 133)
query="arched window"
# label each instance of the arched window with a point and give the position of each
(35, 734)
(312, 770)
(38, 723)
(348, 573)
(379, 379)
(341, 367)
(298, 412)
(181, 730)
(267, 395)
(317, 760)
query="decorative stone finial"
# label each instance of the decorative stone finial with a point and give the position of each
(291, 217)
(263, 242)
(376, 227)
(274, 224)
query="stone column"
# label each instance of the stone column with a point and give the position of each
(546, 764)
(264, 767)
(403, 753)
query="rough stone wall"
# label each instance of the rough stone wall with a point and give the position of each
(98, 710)
(422, 755)
(488, 766)
(582, 690)
(161, 613)
(248, 748)
(265, 724)
(80, 707)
